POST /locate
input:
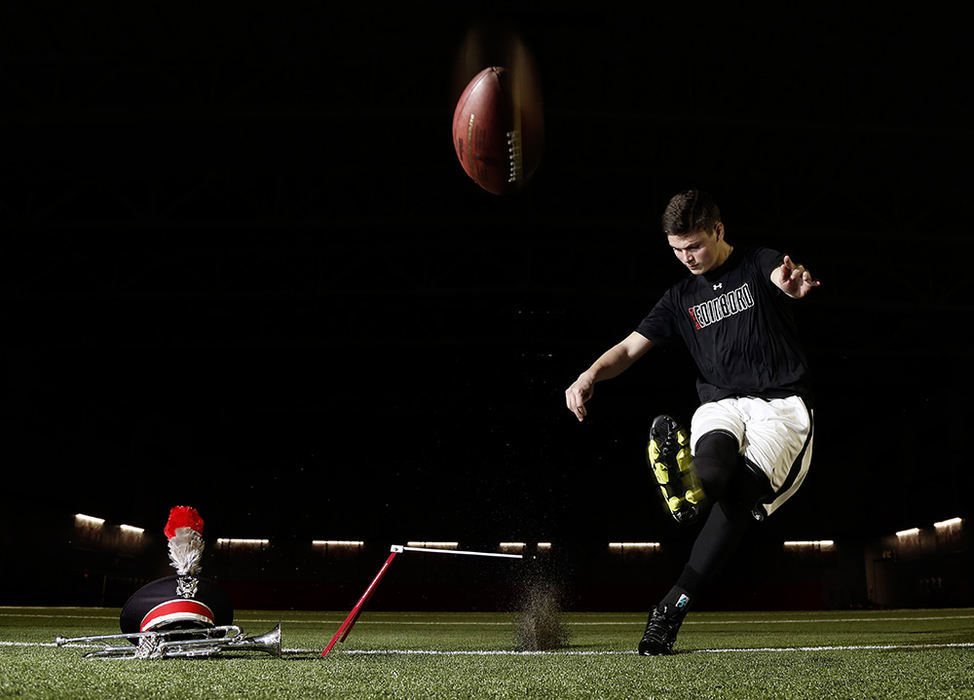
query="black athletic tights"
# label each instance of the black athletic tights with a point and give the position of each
(733, 491)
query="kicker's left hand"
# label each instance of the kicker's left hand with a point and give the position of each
(793, 279)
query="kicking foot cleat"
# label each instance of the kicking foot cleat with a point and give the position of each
(668, 455)
(660, 632)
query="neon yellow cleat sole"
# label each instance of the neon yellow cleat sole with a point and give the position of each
(670, 461)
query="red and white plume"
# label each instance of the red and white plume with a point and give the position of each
(185, 532)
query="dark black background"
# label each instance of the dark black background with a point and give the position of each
(243, 270)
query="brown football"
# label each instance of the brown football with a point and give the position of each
(498, 131)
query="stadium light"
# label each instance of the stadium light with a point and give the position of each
(948, 523)
(642, 546)
(909, 532)
(511, 546)
(544, 546)
(337, 543)
(326, 547)
(823, 544)
(230, 541)
(88, 520)
(434, 545)
(131, 529)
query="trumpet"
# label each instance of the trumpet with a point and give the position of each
(208, 641)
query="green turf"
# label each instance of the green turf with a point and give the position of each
(598, 663)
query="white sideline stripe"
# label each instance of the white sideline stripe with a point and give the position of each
(567, 622)
(639, 622)
(812, 619)
(503, 652)
(62, 617)
(860, 647)
(742, 650)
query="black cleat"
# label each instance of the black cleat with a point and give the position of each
(660, 632)
(668, 456)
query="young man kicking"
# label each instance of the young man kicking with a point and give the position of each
(750, 441)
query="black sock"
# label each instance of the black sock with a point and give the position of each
(678, 600)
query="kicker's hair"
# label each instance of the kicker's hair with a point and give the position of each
(690, 211)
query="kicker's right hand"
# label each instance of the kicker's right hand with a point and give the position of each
(578, 393)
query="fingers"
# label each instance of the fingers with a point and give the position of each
(575, 398)
(576, 404)
(798, 273)
(794, 271)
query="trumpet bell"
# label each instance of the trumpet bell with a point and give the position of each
(269, 642)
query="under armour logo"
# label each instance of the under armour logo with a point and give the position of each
(719, 285)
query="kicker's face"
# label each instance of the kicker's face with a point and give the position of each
(700, 251)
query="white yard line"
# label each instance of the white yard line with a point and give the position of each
(580, 623)
(61, 617)
(504, 652)
(743, 650)
(812, 619)
(878, 617)
(639, 621)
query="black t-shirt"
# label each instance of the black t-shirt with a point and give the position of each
(738, 327)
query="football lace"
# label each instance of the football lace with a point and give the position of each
(514, 156)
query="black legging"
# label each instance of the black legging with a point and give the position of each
(732, 490)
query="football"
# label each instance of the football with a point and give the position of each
(498, 130)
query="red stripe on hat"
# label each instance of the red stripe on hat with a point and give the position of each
(177, 610)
